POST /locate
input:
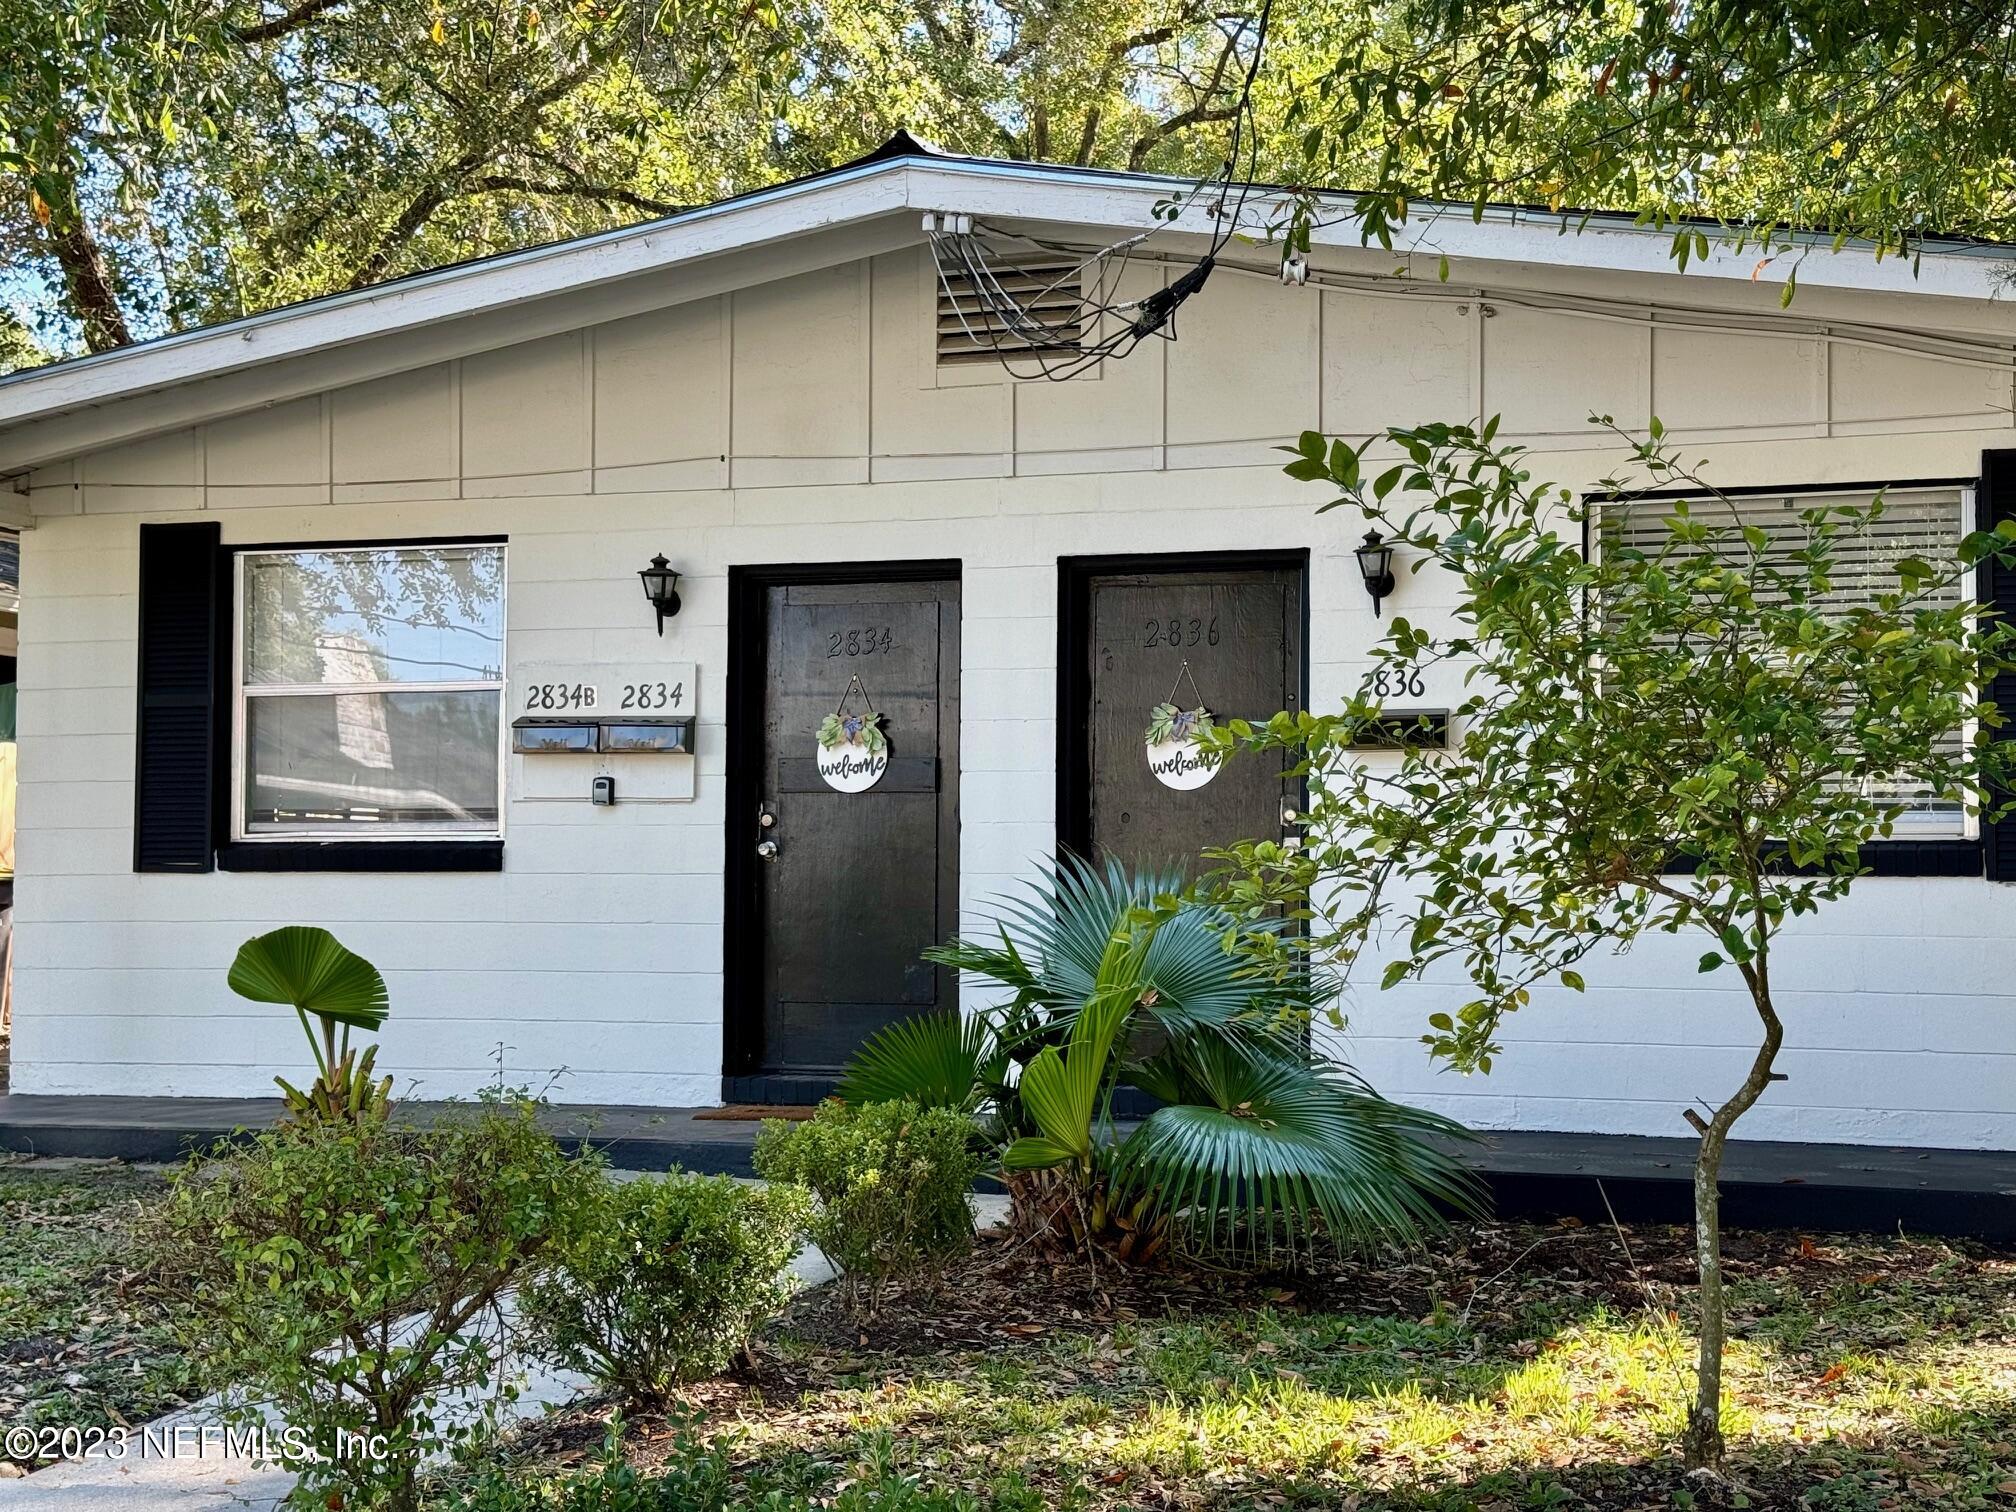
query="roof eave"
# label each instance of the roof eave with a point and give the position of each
(869, 191)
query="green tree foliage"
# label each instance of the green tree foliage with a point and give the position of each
(1888, 121)
(1697, 738)
(166, 163)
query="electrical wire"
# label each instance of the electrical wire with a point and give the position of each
(1965, 351)
(1062, 328)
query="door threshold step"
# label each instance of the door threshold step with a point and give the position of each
(757, 1112)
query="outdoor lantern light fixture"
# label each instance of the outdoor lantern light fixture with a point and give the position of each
(1375, 565)
(661, 587)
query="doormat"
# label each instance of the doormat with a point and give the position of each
(753, 1112)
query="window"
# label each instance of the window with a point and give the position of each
(370, 692)
(1927, 522)
(974, 323)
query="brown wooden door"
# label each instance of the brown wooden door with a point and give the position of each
(845, 890)
(1148, 635)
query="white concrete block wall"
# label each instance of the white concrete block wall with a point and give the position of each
(746, 429)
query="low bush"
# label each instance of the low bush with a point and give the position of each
(666, 1282)
(349, 1275)
(891, 1181)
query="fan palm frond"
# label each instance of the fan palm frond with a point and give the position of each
(1199, 984)
(310, 971)
(1255, 1149)
(1062, 921)
(1060, 1088)
(938, 1060)
(1054, 936)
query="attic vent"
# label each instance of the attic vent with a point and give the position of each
(1021, 306)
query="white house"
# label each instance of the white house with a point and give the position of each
(301, 590)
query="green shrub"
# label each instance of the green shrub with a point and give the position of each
(667, 1281)
(891, 1179)
(349, 1275)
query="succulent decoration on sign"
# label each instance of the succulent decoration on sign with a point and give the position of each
(1167, 722)
(863, 729)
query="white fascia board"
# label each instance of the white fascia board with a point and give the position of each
(221, 370)
(1004, 191)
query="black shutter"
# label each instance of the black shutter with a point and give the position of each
(1995, 503)
(181, 644)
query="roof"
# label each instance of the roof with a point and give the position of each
(873, 204)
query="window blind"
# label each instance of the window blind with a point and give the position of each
(1921, 522)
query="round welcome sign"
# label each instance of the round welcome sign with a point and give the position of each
(1179, 764)
(1173, 754)
(852, 752)
(852, 768)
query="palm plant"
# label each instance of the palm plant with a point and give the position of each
(1113, 979)
(307, 969)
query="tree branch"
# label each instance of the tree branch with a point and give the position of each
(1196, 115)
(88, 278)
(453, 179)
(291, 20)
(506, 183)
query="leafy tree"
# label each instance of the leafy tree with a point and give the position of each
(1888, 121)
(167, 163)
(1697, 737)
(83, 88)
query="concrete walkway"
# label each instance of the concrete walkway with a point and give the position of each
(196, 1475)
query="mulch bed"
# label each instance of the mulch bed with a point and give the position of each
(1004, 1291)
(1008, 1305)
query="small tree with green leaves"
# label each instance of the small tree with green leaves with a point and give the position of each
(1698, 734)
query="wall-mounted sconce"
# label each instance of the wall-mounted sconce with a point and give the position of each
(1375, 565)
(661, 588)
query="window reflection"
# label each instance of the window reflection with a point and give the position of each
(392, 615)
(373, 690)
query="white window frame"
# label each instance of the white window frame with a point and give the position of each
(393, 833)
(1912, 825)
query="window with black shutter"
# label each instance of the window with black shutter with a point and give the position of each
(1928, 518)
(352, 692)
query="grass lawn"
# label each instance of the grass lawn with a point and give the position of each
(1511, 1367)
(1508, 1367)
(74, 1349)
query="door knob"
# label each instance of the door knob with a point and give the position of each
(767, 850)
